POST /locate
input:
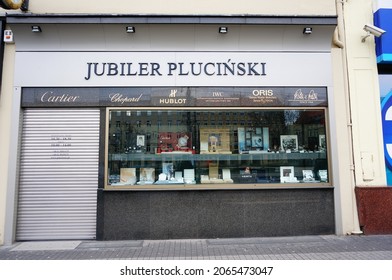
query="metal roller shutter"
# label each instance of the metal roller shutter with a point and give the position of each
(58, 174)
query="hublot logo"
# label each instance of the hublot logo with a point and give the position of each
(172, 99)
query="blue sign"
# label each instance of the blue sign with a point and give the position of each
(386, 112)
(383, 19)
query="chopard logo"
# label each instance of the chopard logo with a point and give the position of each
(119, 98)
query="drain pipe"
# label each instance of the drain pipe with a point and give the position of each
(339, 38)
(336, 40)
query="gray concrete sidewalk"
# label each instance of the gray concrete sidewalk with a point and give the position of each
(272, 248)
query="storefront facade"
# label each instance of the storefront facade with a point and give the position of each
(161, 127)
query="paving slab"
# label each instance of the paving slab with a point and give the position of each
(46, 246)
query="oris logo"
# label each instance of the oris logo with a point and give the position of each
(263, 92)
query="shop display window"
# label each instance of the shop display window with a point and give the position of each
(208, 147)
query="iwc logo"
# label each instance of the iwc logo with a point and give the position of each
(11, 4)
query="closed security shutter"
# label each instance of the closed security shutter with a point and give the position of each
(58, 174)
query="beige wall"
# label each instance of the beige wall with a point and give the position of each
(364, 95)
(190, 7)
(357, 113)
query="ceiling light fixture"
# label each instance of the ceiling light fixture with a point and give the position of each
(130, 29)
(36, 29)
(307, 30)
(223, 30)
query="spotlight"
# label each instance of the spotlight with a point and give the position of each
(223, 30)
(36, 29)
(307, 30)
(130, 29)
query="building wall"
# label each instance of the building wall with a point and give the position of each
(5, 127)
(357, 112)
(216, 214)
(172, 7)
(362, 144)
(364, 96)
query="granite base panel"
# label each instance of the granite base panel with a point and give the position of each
(132, 215)
(374, 209)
